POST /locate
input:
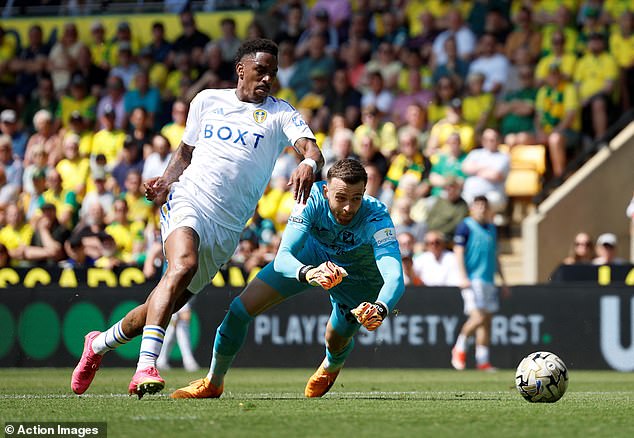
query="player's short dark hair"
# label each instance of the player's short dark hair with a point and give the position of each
(251, 47)
(349, 171)
(481, 198)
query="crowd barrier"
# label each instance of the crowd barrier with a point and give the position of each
(589, 326)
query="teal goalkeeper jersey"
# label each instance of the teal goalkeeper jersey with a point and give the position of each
(366, 248)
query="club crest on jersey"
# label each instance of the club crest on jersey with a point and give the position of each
(259, 115)
(348, 237)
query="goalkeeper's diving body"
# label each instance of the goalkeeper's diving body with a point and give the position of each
(341, 241)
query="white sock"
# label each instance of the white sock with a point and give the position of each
(482, 354)
(110, 339)
(153, 336)
(461, 343)
(184, 343)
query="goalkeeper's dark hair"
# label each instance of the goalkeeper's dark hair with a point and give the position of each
(349, 171)
(251, 47)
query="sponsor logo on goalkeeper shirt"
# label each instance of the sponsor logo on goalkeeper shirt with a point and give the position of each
(384, 236)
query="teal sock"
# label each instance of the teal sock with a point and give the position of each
(230, 337)
(334, 361)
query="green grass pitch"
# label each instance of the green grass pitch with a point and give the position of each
(363, 402)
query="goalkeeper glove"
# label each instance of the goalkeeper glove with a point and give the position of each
(327, 275)
(369, 315)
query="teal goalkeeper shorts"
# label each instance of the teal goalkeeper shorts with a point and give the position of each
(343, 322)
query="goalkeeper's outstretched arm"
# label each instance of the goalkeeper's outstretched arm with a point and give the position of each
(285, 261)
(391, 270)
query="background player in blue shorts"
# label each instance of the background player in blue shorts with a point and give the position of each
(338, 233)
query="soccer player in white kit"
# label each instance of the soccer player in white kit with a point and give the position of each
(207, 194)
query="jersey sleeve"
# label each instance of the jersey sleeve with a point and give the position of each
(388, 259)
(462, 234)
(192, 126)
(294, 237)
(293, 124)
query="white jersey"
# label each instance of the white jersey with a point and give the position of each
(235, 147)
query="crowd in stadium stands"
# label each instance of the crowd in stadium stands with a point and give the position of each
(430, 95)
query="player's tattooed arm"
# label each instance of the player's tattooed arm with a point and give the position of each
(156, 189)
(303, 176)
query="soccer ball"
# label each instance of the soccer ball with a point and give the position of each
(541, 377)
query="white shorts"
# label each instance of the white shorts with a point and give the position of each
(217, 243)
(481, 296)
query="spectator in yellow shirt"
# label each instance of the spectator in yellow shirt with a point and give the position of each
(107, 141)
(72, 168)
(565, 60)
(173, 131)
(595, 77)
(128, 235)
(557, 118)
(477, 105)
(454, 122)
(16, 234)
(622, 48)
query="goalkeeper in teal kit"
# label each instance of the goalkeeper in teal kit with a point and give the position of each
(341, 241)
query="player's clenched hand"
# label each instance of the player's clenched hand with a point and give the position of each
(327, 275)
(302, 180)
(370, 315)
(156, 190)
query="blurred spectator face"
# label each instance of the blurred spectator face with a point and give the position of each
(479, 210)
(367, 148)
(6, 149)
(4, 256)
(583, 246)
(158, 33)
(450, 48)
(606, 251)
(406, 242)
(45, 89)
(389, 22)
(95, 214)
(370, 117)
(40, 157)
(386, 53)
(526, 76)
(558, 42)
(454, 20)
(84, 58)
(453, 190)
(286, 54)
(337, 122)
(435, 243)
(69, 35)
(100, 184)
(408, 144)
(376, 82)
(98, 33)
(14, 215)
(9, 126)
(142, 81)
(179, 112)
(35, 36)
(562, 17)
(228, 28)
(71, 147)
(133, 183)
(475, 81)
(120, 208)
(523, 18)
(490, 139)
(294, 17)
(78, 89)
(316, 46)
(188, 24)
(108, 120)
(374, 180)
(522, 57)
(342, 143)
(43, 123)
(182, 63)
(415, 116)
(454, 143)
(595, 45)
(39, 182)
(487, 45)
(160, 145)
(138, 118)
(445, 89)
(340, 81)
(115, 87)
(54, 180)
